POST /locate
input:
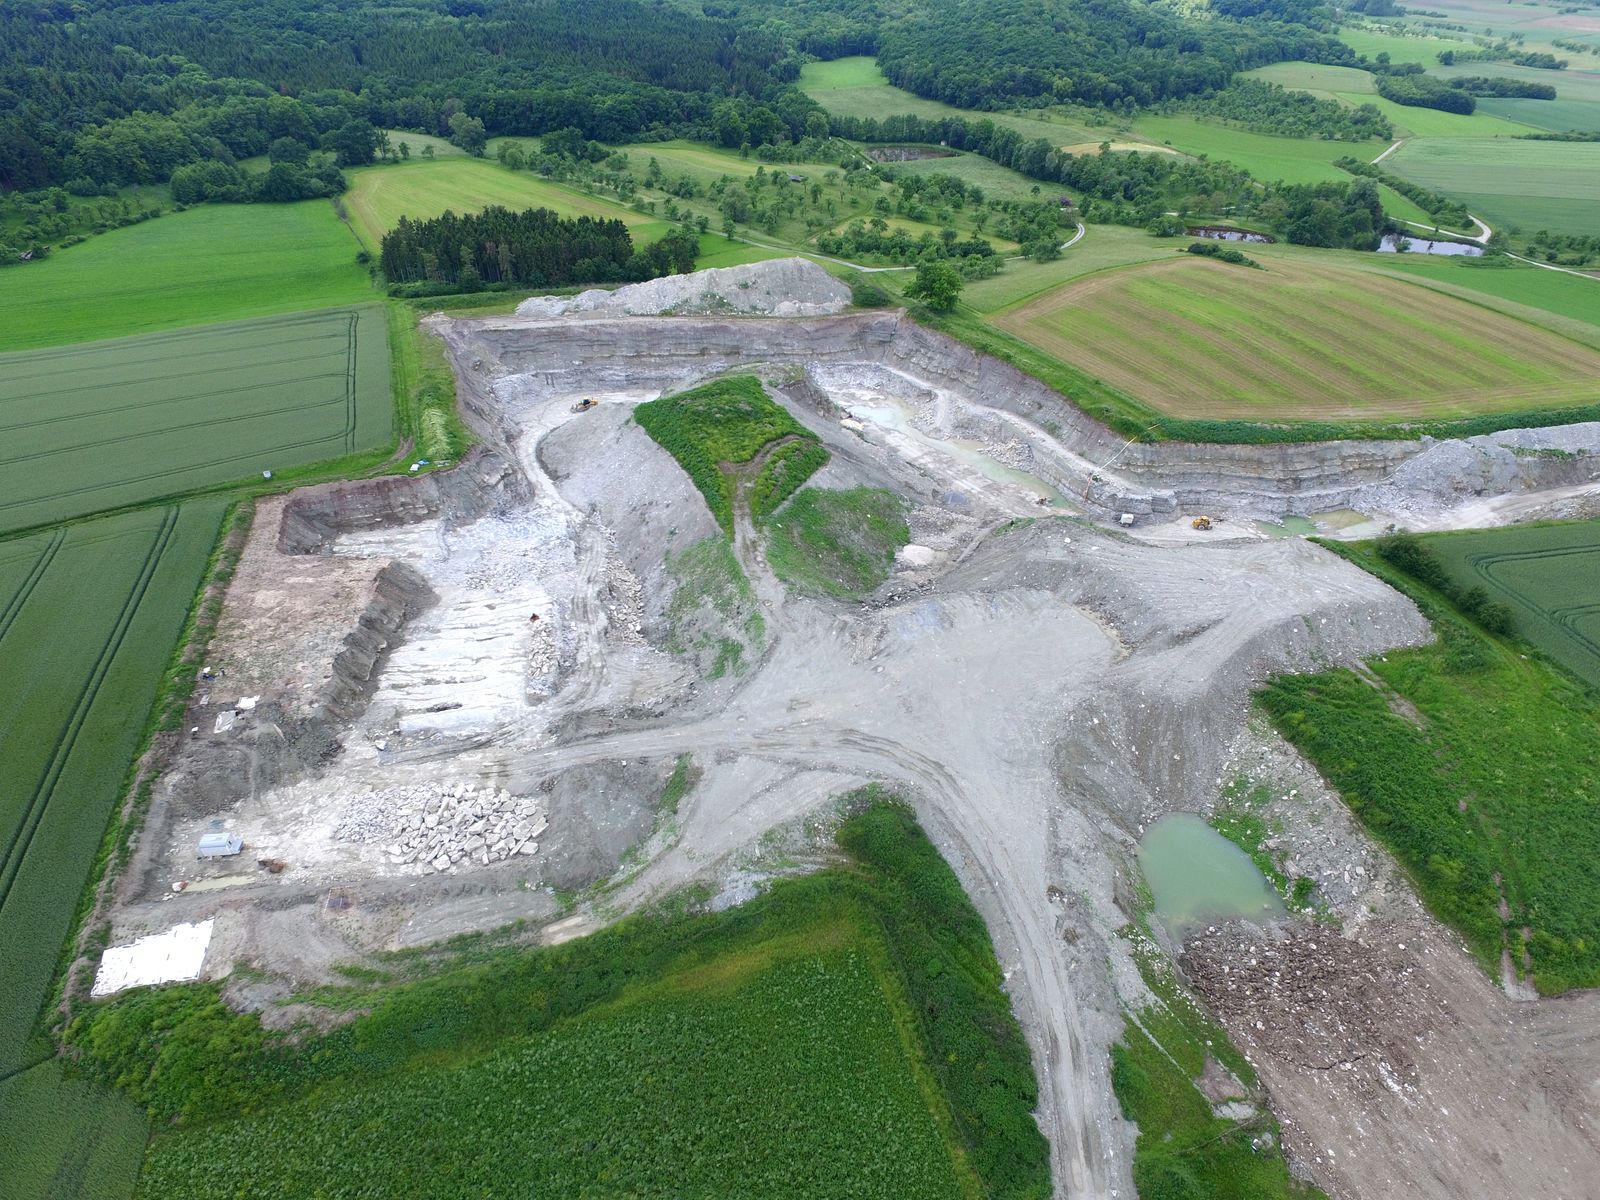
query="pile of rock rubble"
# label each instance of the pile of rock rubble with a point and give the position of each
(439, 826)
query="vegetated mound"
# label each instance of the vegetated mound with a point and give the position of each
(1297, 343)
(839, 543)
(718, 430)
(519, 1071)
(780, 287)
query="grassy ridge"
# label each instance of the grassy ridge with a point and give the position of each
(84, 639)
(127, 421)
(594, 1067)
(1497, 780)
(218, 262)
(730, 421)
(838, 543)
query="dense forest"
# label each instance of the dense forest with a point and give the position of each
(122, 91)
(1268, 108)
(534, 248)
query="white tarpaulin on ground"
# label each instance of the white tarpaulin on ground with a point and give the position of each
(171, 957)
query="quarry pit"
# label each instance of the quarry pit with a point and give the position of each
(446, 702)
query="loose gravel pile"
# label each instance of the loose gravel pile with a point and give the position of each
(440, 826)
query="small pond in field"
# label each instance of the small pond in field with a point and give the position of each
(1227, 233)
(1198, 876)
(1391, 245)
(1288, 527)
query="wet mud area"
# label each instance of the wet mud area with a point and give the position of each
(448, 703)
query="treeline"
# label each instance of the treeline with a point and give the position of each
(533, 248)
(1417, 559)
(1565, 249)
(1436, 204)
(1503, 52)
(1268, 108)
(1499, 85)
(1425, 91)
(973, 256)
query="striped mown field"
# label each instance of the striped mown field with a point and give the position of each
(1300, 341)
(107, 424)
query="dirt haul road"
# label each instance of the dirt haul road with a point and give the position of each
(1040, 688)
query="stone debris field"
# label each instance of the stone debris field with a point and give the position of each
(439, 829)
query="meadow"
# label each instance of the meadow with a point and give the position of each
(721, 426)
(855, 87)
(109, 424)
(1401, 47)
(1486, 796)
(216, 262)
(1224, 342)
(1549, 575)
(88, 617)
(380, 196)
(1527, 184)
(1264, 155)
(844, 1033)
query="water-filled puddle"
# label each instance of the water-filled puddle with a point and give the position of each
(1288, 527)
(1199, 877)
(1392, 245)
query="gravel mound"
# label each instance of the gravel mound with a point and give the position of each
(783, 287)
(439, 827)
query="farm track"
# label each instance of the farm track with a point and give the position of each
(19, 601)
(35, 807)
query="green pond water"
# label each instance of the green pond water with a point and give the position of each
(1199, 877)
(1288, 527)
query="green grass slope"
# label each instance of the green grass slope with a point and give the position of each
(837, 543)
(1487, 796)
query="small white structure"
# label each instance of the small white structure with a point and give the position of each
(218, 845)
(171, 957)
(1126, 518)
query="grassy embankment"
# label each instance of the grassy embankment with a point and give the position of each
(639, 1060)
(837, 543)
(1489, 796)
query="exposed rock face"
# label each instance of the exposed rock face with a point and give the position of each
(313, 517)
(784, 287)
(1066, 447)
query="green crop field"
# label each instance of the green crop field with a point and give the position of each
(116, 423)
(1557, 116)
(598, 1105)
(717, 429)
(1532, 185)
(88, 617)
(380, 196)
(217, 262)
(844, 1033)
(1195, 338)
(67, 1138)
(1548, 574)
